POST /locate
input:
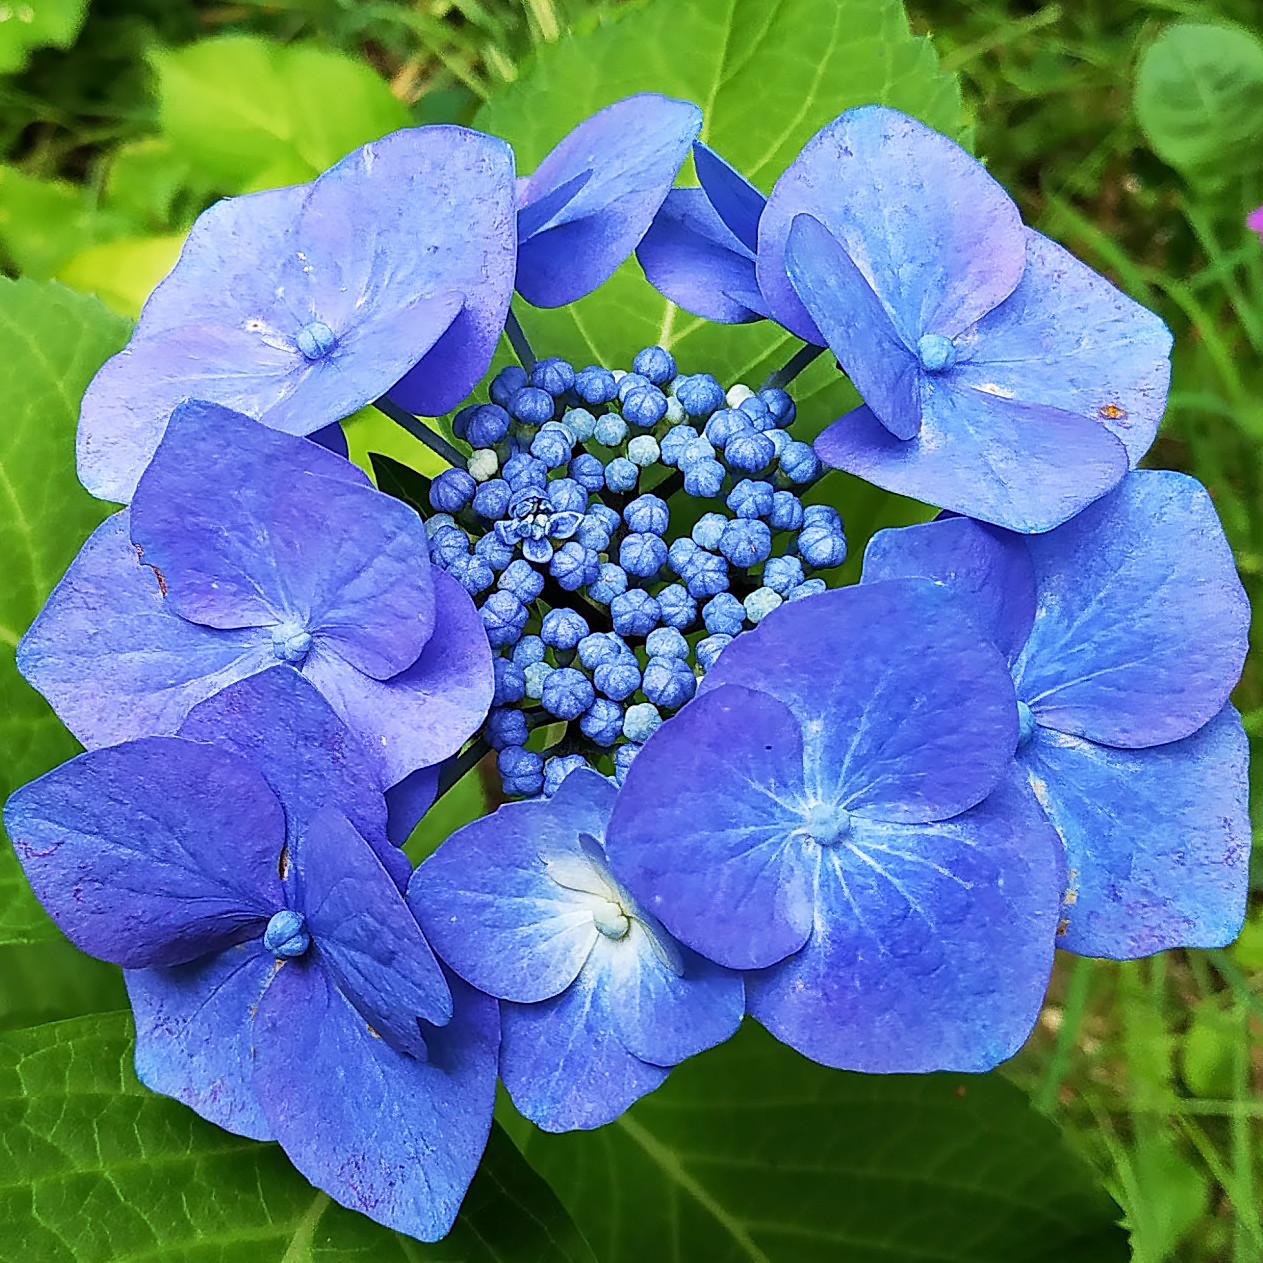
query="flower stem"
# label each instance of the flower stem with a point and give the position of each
(419, 430)
(518, 340)
(455, 768)
(801, 358)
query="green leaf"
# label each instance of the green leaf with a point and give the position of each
(44, 222)
(1208, 1047)
(400, 481)
(28, 24)
(1199, 99)
(145, 183)
(369, 430)
(752, 1154)
(122, 274)
(1170, 1196)
(96, 1169)
(767, 78)
(52, 341)
(51, 979)
(248, 113)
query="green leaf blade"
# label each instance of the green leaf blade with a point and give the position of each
(752, 1154)
(247, 113)
(96, 1169)
(37, 24)
(52, 341)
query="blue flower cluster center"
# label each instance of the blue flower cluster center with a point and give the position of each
(605, 606)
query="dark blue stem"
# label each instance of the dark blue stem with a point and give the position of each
(419, 430)
(518, 340)
(783, 376)
(455, 768)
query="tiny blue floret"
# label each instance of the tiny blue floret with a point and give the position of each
(286, 935)
(315, 339)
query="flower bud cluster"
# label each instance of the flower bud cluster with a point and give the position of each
(604, 603)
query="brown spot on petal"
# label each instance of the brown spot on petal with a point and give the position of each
(1112, 412)
(282, 865)
(140, 557)
(1062, 928)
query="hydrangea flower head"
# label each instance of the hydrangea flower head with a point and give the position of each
(587, 205)
(271, 959)
(598, 1000)
(256, 547)
(866, 850)
(391, 272)
(1126, 630)
(1001, 377)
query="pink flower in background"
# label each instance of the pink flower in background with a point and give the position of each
(1254, 221)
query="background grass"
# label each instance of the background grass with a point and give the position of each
(1154, 1067)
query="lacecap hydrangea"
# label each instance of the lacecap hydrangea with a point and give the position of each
(865, 815)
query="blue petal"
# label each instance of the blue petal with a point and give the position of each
(218, 278)
(488, 903)
(508, 532)
(732, 881)
(530, 219)
(537, 550)
(114, 659)
(441, 222)
(563, 525)
(936, 237)
(1142, 625)
(333, 439)
(932, 944)
(154, 852)
(406, 803)
(1067, 338)
(366, 934)
(634, 149)
(564, 1065)
(126, 406)
(382, 1133)
(248, 533)
(907, 713)
(425, 277)
(691, 258)
(661, 1015)
(279, 723)
(990, 567)
(1157, 841)
(736, 201)
(191, 340)
(859, 332)
(368, 359)
(1016, 465)
(194, 1034)
(426, 713)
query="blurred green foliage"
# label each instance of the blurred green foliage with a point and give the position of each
(1130, 130)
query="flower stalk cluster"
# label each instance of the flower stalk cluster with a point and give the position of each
(867, 816)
